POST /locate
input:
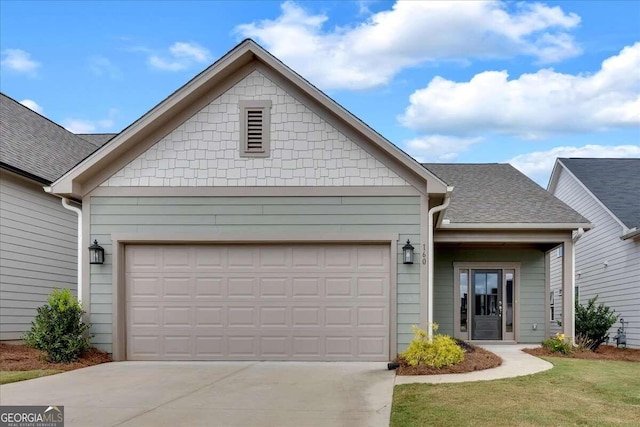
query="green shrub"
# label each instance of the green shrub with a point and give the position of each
(58, 328)
(441, 351)
(558, 344)
(593, 323)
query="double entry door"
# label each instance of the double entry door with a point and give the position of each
(486, 304)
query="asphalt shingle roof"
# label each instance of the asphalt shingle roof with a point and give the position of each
(34, 144)
(499, 193)
(615, 182)
(97, 139)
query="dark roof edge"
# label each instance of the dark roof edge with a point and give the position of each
(24, 174)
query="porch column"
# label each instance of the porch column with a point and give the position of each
(568, 286)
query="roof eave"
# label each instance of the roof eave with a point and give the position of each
(514, 226)
(631, 234)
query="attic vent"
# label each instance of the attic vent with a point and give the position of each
(255, 131)
(255, 126)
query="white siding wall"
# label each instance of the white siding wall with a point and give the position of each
(617, 283)
(38, 239)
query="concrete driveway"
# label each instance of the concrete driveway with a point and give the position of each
(214, 394)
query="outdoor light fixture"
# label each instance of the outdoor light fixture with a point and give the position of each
(407, 253)
(96, 253)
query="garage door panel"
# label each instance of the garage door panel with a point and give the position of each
(274, 287)
(209, 317)
(241, 287)
(305, 287)
(250, 302)
(211, 287)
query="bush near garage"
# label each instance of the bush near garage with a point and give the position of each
(441, 351)
(58, 328)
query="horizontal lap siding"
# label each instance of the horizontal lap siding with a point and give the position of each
(618, 283)
(288, 215)
(531, 307)
(38, 239)
(555, 278)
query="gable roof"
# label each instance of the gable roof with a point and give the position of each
(33, 145)
(97, 167)
(97, 139)
(614, 182)
(499, 194)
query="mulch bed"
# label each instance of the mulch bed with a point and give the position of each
(19, 357)
(475, 359)
(604, 352)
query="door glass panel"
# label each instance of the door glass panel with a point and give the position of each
(509, 300)
(492, 294)
(464, 291)
(480, 291)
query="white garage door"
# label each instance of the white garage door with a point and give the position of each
(257, 302)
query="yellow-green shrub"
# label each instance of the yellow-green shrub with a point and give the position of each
(441, 351)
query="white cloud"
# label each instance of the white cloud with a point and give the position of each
(32, 105)
(102, 66)
(538, 165)
(20, 61)
(533, 105)
(181, 56)
(105, 124)
(371, 52)
(439, 148)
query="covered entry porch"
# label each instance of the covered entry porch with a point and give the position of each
(495, 286)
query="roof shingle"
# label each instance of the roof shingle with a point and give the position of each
(34, 144)
(615, 182)
(499, 193)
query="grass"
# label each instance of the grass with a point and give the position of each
(575, 392)
(7, 377)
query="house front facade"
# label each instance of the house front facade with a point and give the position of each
(607, 264)
(250, 217)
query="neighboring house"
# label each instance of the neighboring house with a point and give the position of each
(250, 217)
(607, 193)
(38, 236)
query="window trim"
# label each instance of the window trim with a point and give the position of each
(265, 106)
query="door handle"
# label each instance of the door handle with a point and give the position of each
(500, 308)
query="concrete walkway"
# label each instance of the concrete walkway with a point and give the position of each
(515, 363)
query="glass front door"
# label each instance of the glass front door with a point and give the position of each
(487, 304)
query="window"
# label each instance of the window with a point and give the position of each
(552, 304)
(255, 128)
(559, 252)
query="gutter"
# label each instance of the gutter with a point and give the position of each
(430, 279)
(630, 234)
(67, 205)
(574, 239)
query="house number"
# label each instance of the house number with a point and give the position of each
(424, 253)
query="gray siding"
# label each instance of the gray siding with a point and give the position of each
(261, 215)
(555, 278)
(531, 307)
(38, 239)
(618, 283)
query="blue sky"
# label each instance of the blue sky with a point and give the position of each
(446, 81)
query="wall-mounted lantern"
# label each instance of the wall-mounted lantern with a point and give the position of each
(407, 253)
(96, 253)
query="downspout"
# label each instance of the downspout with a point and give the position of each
(574, 239)
(67, 205)
(430, 245)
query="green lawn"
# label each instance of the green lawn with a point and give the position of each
(574, 392)
(7, 377)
